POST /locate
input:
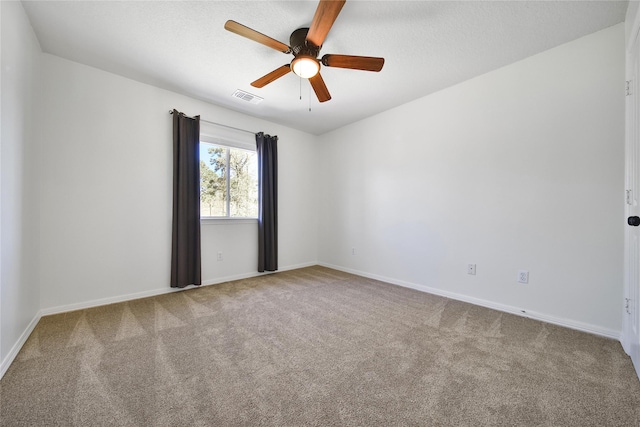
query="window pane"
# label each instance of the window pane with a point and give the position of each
(228, 181)
(243, 176)
(213, 180)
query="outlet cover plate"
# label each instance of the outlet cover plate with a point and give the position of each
(471, 269)
(523, 276)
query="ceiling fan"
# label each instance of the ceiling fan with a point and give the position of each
(305, 47)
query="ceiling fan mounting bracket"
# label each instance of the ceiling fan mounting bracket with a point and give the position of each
(300, 46)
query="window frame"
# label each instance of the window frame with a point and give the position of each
(227, 138)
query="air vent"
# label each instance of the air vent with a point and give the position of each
(246, 96)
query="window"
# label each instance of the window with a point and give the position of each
(228, 174)
(228, 181)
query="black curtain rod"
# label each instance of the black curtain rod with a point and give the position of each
(220, 124)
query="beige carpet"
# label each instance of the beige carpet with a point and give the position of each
(313, 347)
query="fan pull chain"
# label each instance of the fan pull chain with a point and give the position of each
(309, 97)
(300, 79)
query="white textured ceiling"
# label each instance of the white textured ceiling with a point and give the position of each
(427, 45)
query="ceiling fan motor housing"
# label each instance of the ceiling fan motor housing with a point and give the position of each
(300, 46)
(305, 45)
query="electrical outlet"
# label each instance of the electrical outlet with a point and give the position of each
(523, 276)
(471, 269)
(220, 257)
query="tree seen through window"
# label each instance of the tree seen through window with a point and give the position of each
(228, 182)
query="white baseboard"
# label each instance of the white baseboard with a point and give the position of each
(4, 366)
(219, 280)
(567, 323)
(154, 292)
(105, 301)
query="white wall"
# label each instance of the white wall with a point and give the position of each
(631, 23)
(19, 295)
(518, 169)
(105, 205)
(521, 168)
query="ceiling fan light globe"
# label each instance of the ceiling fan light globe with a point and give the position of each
(305, 66)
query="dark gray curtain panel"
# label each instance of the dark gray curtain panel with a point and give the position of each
(185, 246)
(267, 148)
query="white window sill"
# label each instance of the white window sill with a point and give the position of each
(211, 220)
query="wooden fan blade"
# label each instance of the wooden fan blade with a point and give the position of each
(320, 88)
(325, 16)
(274, 75)
(366, 63)
(252, 34)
